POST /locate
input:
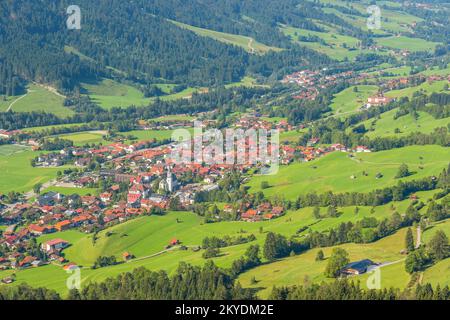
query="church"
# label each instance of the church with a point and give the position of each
(170, 183)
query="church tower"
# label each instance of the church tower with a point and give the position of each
(169, 180)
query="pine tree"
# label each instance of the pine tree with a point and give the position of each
(438, 246)
(409, 240)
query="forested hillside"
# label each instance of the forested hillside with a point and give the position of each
(135, 41)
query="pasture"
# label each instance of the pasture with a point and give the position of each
(303, 268)
(406, 43)
(82, 138)
(334, 45)
(38, 98)
(426, 88)
(349, 100)
(333, 172)
(108, 93)
(18, 174)
(387, 125)
(72, 190)
(247, 43)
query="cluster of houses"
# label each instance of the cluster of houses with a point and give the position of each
(311, 151)
(264, 211)
(311, 81)
(7, 134)
(255, 122)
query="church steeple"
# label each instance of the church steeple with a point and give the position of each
(169, 179)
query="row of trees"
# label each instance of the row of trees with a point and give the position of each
(352, 290)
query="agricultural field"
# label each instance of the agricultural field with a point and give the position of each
(18, 174)
(387, 125)
(38, 98)
(246, 81)
(392, 20)
(247, 43)
(10, 149)
(174, 117)
(145, 135)
(333, 172)
(72, 190)
(405, 43)
(88, 137)
(426, 87)
(334, 45)
(108, 93)
(349, 101)
(304, 268)
(55, 126)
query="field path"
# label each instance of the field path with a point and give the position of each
(19, 98)
(250, 46)
(419, 237)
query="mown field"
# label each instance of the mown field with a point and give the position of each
(18, 174)
(334, 45)
(426, 88)
(38, 99)
(333, 172)
(349, 100)
(392, 20)
(247, 43)
(405, 43)
(387, 125)
(108, 93)
(304, 268)
(87, 137)
(70, 190)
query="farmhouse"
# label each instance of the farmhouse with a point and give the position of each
(378, 100)
(358, 267)
(54, 245)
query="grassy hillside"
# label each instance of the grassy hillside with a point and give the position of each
(109, 93)
(349, 100)
(37, 98)
(332, 172)
(426, 87)
(247, 43)
(334, 45)
(303, 267)
(146, 238)
(405, 43)
(82, 138)
(17, 173)
(386, 125)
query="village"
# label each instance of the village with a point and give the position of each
(134, 180)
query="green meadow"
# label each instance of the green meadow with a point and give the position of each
(426, 88)
(303, 268)
(333, 172)
(335, 45)
(247, 43)
(69, 190)
(10, 149)
(348, 101)
(88, 137)
(19, 175)
(37, 98)
(108, 93)
(392, 20)
(145, 135)
(386, 125)
(405, 43)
